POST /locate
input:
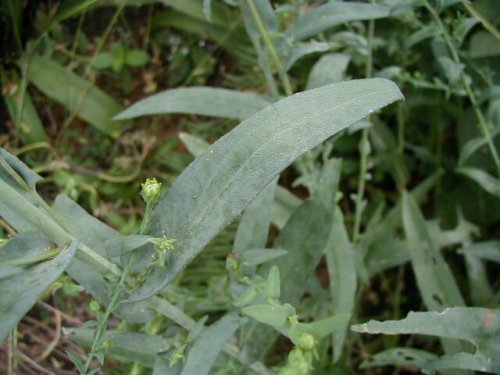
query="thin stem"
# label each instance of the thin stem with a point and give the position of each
(364, 146)
(483, 126)
(270, 46)
(486, 23)
(113, 303)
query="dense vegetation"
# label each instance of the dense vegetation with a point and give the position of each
(250, 187)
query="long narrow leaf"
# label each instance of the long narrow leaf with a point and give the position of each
(480, 327)
(336, 13)
(222, 181)
(79, 96)
(209, 344)
(205, 101)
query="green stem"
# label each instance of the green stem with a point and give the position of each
(112, 305)
(486, 23)
(483, 126)
(270, 46)
(364, 147)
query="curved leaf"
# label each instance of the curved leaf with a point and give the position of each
(20, 292)
(222, 182)
(479, 326)
(333, 14)
(207, 101)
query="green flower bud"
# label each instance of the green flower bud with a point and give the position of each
(306, 341)
(151, 191)
(94, 307)
(162, 244)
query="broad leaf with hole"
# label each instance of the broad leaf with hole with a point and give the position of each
(478, 326)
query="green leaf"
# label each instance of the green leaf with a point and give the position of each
(209, 344)
(305, 49)
(334, 14)
(253, 229)
(342, 274)
(25, 245)
(272, 289)
(489, 250)
(304, 237)
(136, 57)
(118, 246)
(329, 68)
(480, 327)
(483, 44)
(434, 278)
(207, 9)
(21, 291)
(381, 242)
(30, 129)
(435, 281)
(205, 101)
(399, 357)
(285, 203)
(274, 315)
(223, 181)
(195, 145)
(103, 60)
(76, 94)
(485, 180)
(324, 327)
(254, 257)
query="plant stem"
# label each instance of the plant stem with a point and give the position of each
(270, 46)
(113, 303)
(483, 126)
(486, 23)
(364, 147)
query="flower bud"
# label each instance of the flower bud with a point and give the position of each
(151, 191)
(306, 341)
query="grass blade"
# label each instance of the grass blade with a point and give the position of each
(79, 96)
